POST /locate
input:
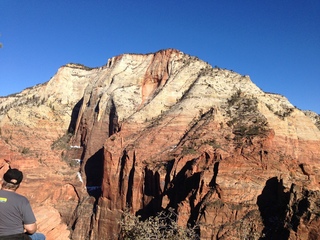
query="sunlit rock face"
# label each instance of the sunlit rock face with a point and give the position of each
(158, 131)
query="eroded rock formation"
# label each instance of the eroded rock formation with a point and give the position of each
(164, 130)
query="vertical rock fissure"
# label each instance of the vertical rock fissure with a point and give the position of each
(213, 182)
(152, 194)
(94, 173)
(74, 116)
(169, 167)
(121, 172)
(113, 119)
(130, 183)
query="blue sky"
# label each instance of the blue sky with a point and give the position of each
(275, 42)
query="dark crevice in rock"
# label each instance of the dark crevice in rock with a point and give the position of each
(151, 209)
(89, 100)
(83, 133)
(74, 116)
(152, 183)
(130, 183)
(94, 173)
(304, 171)
(114, 126)
(183, 185)
(300, 207)
(169, 167)
(272, 205)
(97, 109)
(213, 182)
(199, 209)
(152, 193)
(123, 160)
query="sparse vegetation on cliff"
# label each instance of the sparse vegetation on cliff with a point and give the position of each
(25, 150)
(315, 118)
(284, 112)
(245, 119)
(62, 142)
(162, 226)
(78, 66)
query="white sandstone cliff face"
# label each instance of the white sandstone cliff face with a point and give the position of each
(139, 114)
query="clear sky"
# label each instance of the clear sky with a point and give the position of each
(275, 42)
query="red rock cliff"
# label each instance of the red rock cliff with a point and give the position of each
(166, 130)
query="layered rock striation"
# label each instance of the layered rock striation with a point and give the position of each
(159, 131)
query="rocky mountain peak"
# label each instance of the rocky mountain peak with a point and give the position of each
(158, 131)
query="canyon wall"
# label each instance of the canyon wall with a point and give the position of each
(159, 131)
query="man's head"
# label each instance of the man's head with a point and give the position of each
(12, 179)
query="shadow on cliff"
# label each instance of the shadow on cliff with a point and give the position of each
(272, 205)
(183, 186)
(197, 210)
(153, 192)
(94, 173)
(74, 116)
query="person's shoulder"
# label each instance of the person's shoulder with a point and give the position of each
(20, 196)
(17, 196)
